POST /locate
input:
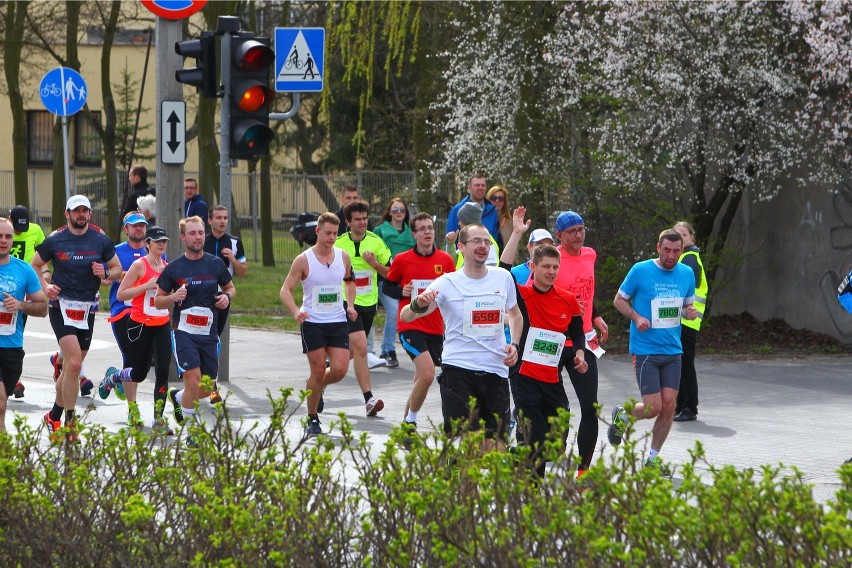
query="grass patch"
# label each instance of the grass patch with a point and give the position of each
(258, 305)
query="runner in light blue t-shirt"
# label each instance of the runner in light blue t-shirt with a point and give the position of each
(654, 296)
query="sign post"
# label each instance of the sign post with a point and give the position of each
(63, 92)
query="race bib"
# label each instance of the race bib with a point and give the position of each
(8, 321)
(197, 320)
(665, 312)
(75, 313)
(418, 286)
(148, 307)
(327, 299)
(363, 282)
(593, 345)
(543, 346)
(483, 318)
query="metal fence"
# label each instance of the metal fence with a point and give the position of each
(291, 194)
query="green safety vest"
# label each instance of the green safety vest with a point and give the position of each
(700, 295)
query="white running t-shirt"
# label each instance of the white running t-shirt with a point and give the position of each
(473, 310)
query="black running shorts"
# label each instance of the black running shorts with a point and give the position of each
(321, 335)
(490, 394)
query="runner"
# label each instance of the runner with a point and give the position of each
(27, 235)
(474, 303)
(654, 296)
(81, 257)
(370, 258)
(148, 331)
(128, 252)
(549, 314)
(20, 295)
(322, 317)
(577, 275)
(191, 283)
(411, 272)
(230, 249)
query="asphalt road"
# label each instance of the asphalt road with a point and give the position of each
(769, 411)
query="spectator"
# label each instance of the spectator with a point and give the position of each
(194, 204)
(476, 193)
(396, 233)
(138, 178)
(498, 196)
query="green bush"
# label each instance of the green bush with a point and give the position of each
(257, 496)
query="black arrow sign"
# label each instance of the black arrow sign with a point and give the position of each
(173, 143)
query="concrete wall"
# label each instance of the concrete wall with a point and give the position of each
(794, 251)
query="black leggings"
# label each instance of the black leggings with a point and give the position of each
(142, 340)
(586, 389)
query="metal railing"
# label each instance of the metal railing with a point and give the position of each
(291, 194)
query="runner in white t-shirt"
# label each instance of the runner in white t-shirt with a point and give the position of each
(474, 302)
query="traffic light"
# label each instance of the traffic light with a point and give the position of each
(202, 77)
(250, 96)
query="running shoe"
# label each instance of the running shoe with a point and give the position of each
(618, 425)
(391, 359)
(53, 427)
(72, 435)
(134, 416)
(313, 428)
(19, 390)
(373, 361)
(658, 463)
(57, 367)
(119, 391)
(411, 438)
(160, 427)
(86, 387)
(178, 411)
(105, 387)
(374, 405)
(215, 397)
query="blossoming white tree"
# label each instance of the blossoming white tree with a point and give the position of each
(678, 107)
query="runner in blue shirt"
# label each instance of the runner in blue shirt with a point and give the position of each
(17, 281)
(654, 296)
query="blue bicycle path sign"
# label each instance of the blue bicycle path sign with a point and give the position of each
(63, 91)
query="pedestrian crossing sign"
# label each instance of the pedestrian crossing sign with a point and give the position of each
(299, 59)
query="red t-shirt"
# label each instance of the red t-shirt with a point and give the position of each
(411, 265)
(551, 310)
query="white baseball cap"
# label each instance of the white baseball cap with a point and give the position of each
(76, 201)
(540, 234)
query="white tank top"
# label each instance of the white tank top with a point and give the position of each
(323, 289)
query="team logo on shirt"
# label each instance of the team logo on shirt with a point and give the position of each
(439, 269)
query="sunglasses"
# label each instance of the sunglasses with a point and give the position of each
(397, 209)
(497, 198)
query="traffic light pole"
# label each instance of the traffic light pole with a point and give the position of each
(226, 25)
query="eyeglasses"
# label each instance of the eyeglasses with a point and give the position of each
(189, 187)
(497, 198)
(397, 209)
(575, 231)
(427, 229)
(478, 241)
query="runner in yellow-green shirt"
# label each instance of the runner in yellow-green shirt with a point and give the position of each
(370, 257)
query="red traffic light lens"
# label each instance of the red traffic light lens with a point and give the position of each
(255, 56)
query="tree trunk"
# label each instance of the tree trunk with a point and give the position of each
(16, 13)
(111, 119)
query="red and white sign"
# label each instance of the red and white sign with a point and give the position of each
(174, 9)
